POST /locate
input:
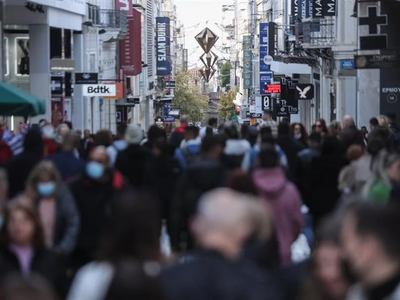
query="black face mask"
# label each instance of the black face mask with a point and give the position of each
(348, 273)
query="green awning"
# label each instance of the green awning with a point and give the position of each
(15, 102)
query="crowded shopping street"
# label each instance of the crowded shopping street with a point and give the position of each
(199, 150)
(220, 212)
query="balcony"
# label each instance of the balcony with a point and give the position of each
(107, 18)
(318, 33)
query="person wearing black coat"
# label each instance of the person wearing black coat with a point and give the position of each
(19, 167)
(324, 194)
(22, 246)
(201, 176)
(134, 162)
(289, 145)
(350, 135)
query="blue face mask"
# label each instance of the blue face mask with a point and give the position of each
(46, 189)
(94, 170)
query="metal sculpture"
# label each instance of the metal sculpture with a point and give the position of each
(207, 39)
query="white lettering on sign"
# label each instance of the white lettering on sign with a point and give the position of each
(391, 90)
(106, 90)
(161, 42)
(318, 8)
(124, 4)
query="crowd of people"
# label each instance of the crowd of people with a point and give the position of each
(210, 213)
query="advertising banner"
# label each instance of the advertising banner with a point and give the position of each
(130, 47)
(247, 62)
(329, 8)
(263, 53)
(163, 46)
(264, 31)
(125, 5)
(318, 8)
(57, 110)
(107, 90)
(265, 78)
(86, 78)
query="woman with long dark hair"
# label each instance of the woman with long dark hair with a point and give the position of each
(133, 232)
(22, 245)
(299, 132)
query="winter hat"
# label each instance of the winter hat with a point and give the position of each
(133, 135)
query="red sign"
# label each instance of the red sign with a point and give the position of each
(125, 5)
(131, 47)
(272, 89)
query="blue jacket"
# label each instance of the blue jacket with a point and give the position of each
(67, 164)
(188, 148)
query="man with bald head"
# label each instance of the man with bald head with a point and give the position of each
(221, 226)
(350, 134)
(93, 194)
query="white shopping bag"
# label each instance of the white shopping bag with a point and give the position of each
(300, 249)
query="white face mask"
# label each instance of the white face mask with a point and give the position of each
(297, 136)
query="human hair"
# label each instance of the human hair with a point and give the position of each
(267, 112)
(244, 131)
(212, 121)
(354, 152)
(268, 157)
(34, 287)
(43, 171)
(303, 130)
(27, 207)
(121, 130)
(209, 143)
(62, 127)
(184, 119)
(374, 122)
(4, 178)
(103, 138)
(323, 125)
(334, 128)
(383, 122)
(380, 222)
(231, 131)
(33, 142)
(242, 182)
(69, 141)
(154, 134)
(315, 138)
(135, 280)
(193, 131)
(134, 226)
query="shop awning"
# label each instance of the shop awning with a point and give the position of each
(15, 102)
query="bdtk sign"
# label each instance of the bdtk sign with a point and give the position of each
(104, 90)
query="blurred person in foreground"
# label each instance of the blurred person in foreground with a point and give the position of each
(283, 198)
(370, 238)
(22, 245)
(221, 226)
(327, 278)
(4, 186)
(17, 287)
(201, 176)
(93, 193)
(56, 206)
(132, 232)
(20, 166)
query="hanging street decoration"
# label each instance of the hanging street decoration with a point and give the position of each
(207, 39)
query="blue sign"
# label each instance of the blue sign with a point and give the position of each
(265, 78)
(163, 46)
(264, 27)
(169, 119)
(347, 64)
(263, 53)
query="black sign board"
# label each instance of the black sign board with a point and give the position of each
(170, 84)
(267, 102)
(247, 114)
(86, 78)
(125, 104)
(330, 8)
(375, 21)
(304, 91)
(133, 100)
(378, 61)
(255, 116)
(282, 109)
(57, 85)
(318, 8)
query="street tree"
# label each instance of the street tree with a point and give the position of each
(226, 107)
(189, 98)
(225, 73)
